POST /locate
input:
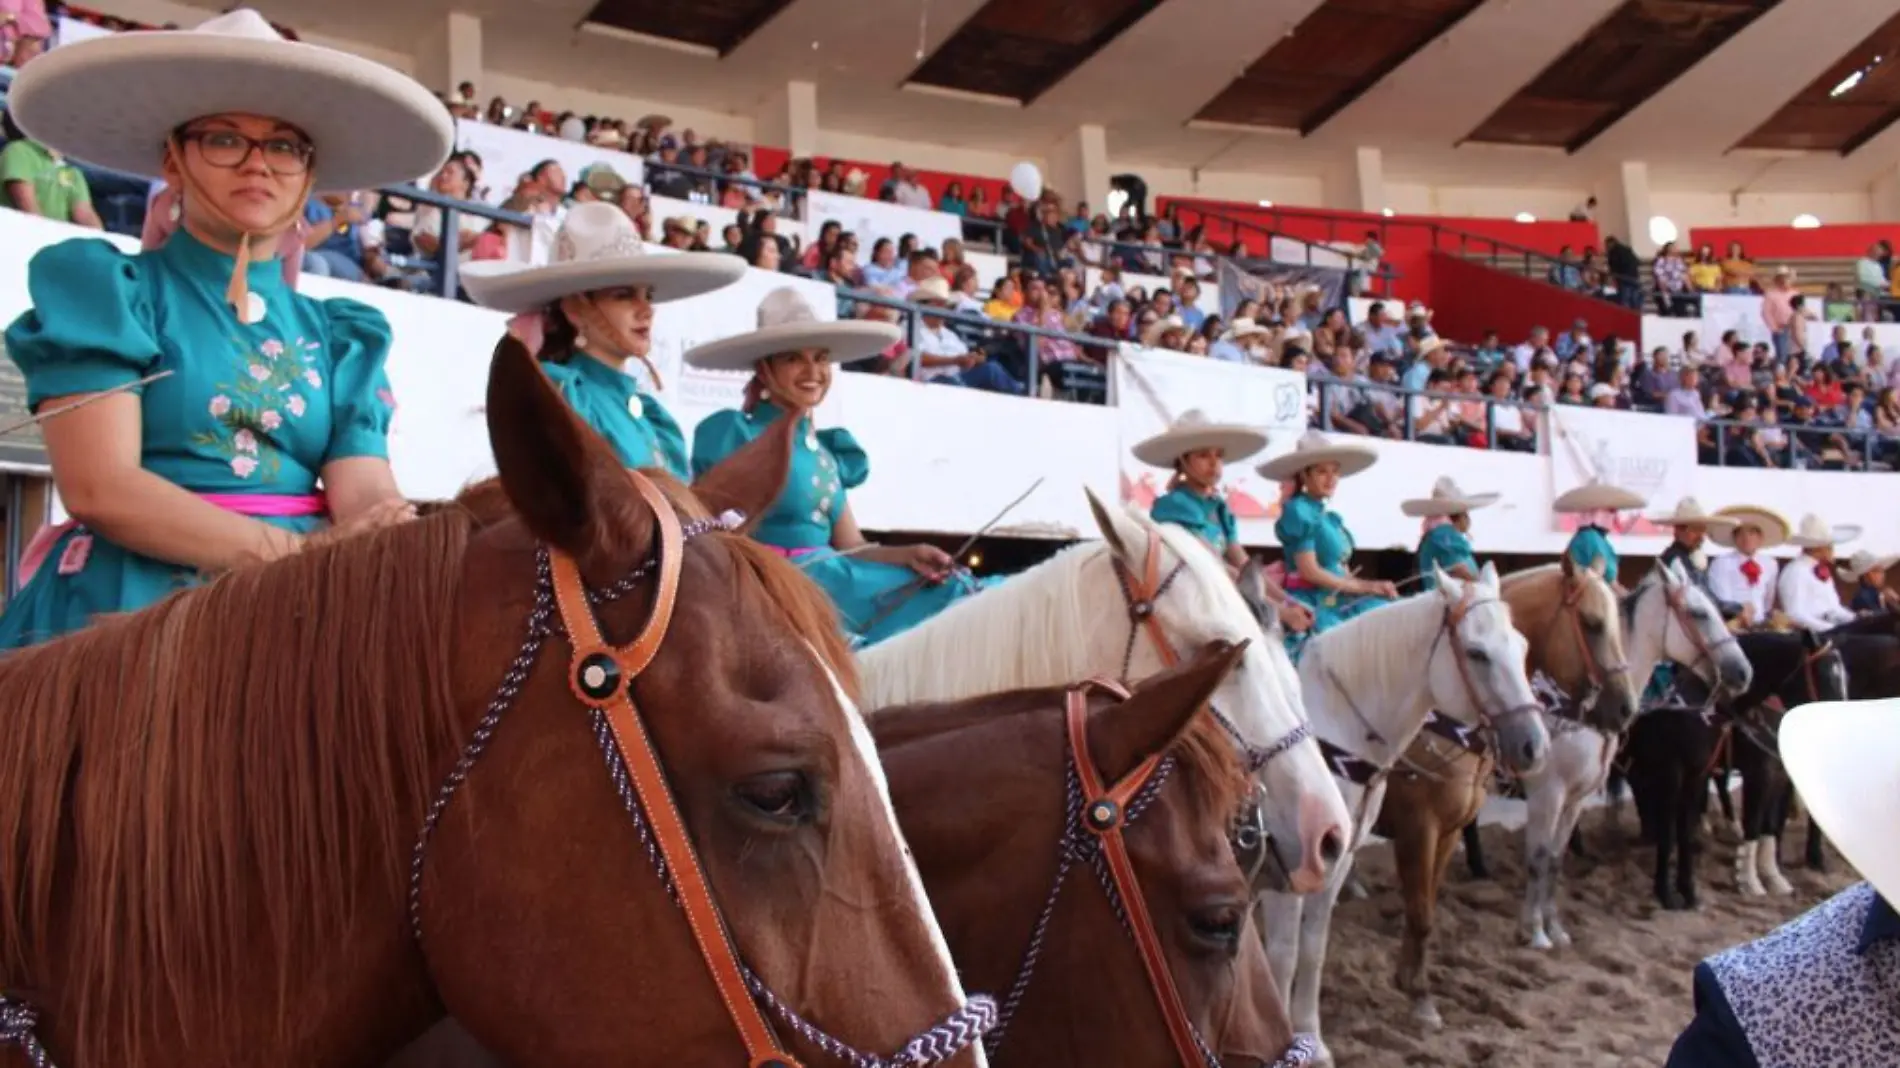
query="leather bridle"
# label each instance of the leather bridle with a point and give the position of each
(601, 676)
(1595, 671)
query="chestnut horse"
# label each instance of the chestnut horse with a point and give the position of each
(980, 791)
(216, 839)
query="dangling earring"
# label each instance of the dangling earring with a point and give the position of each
(177, 211)
(580, 341)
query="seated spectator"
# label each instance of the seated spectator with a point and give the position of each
(38, 181)
(1242, 342)
(1514, 428)
(1602, 395)
(963, 290)
(1490, 352)
(1538, 342)
(1685, 395)
(907, 190)
(1705, 274)
(333, 241)
(1575, 339)
(1565, 271)
(1052, 353)
(760, 249)
(1468, 416)
(1571, 392)
(923, 265)
(1674, 294)
(24, 31)
(664, 177)
(1825, 390)
(1837, 308)
(1655, 381)
(1342, 405)
(1383, 331)
(945, 358)
(952, 202)
(1886, 425)
(1432, 411)
(884, 269)
(1114, 327)
(1432, 358)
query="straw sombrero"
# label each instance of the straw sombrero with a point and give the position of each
(1774, 528)
(1194, 431)
(1314, 448)
(1863, 562)
(1597, 496)
(1690, 513)
(598, 248)
(114, 101)
(1815, 534)
(1447, 499)
(787, 323)
(1844, 757)
(1244, 327)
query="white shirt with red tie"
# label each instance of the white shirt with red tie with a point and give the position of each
(1809, 596)
(1746, 580)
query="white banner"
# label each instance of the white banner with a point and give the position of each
(873, 219)
(1153, 387)
(1651, 455)
(508, 154)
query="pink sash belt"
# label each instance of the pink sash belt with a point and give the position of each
(271, 505)
(790, 554)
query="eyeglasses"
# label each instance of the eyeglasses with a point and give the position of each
(285, 156)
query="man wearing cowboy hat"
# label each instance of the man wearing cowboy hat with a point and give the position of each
(1691, 524)
(1806, 589)
(1747, 577)
(1868, 573)
(945, 356)
(1447, 515)
(1821, 990)
(1244, 342)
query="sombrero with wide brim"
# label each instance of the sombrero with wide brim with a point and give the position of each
(1193, 432)
(114, 101)
(1447, 499)
(787, 323)
(598, 248)
(1774, 527)
(1814, 533)
(1844, 757)
(1690, 513)
(1863, 562)
(1314, 448)
(1594, 496)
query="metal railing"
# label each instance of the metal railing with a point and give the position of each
(1801, 450)
(1031, 336)
(1379, 279)
(1532, 415)
(448, 255)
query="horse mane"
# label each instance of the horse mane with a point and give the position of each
(1218, 783)
(211, 778)
(1366, 648)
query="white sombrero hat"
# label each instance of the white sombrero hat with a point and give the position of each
(1244, 327)
(1815, 534)
(1597, 496)
(1192, 432)
(1844, 757)
(1314, 448)
(788, 324)
(1863, 562)
(1690, 513)
(1447, 499)
(1774, 527)
(115, 100)
(598, 248)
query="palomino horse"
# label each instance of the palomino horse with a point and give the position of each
(294, 816)
(1369, 684)
(1121, 608)
(1570, 620)
(1032, 898)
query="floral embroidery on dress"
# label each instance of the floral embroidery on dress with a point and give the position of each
(266, 397)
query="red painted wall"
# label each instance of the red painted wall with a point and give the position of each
(1469, 298)
(1407, 231)
(1767, 242)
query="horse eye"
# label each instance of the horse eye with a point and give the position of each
(781, 796)
(1218, 929)
(1593, 626)
(1479, 656)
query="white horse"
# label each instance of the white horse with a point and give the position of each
(1125, 608)
(1667, 617)
(1368, 684)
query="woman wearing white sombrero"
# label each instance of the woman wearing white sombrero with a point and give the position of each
(1197, 451)
(1595, 504)
(876, 588)
(1806, 591)
(590, 309)
(1868, 573)
(267, 395)
(1821, 990)
(1317, 544)
(1747, 577)
(1447, 543)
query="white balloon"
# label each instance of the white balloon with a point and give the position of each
(1026, 180)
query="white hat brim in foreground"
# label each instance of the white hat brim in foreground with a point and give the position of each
(1422, 507)
(1235, 442)
(517, 288)
(1596, 497)
(113, 101)
(1351, 459)
(846, 340)
(1775, 528)
(1844, 757)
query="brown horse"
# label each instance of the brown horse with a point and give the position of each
(1572, 623)
(215, 828)
(979, 791)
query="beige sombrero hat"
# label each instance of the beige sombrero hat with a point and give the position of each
(1315, 448)
(1597, 496)
(787, 323)
(1863, 562)
(1690, 513)
(114, 100)
(1813, 533)
(1844, 757)
(1194, 431)
(1447, 499)
(598, 248)
(1774, 527)
(1245, 327)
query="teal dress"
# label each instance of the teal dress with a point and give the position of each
(1591, 544)
(1206, 515)
(641, 430)
(874, 600)
(248, 409)
(1444, 546)
(1306, 525)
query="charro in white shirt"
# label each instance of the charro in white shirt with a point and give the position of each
(1728, 582)
(1809, 599)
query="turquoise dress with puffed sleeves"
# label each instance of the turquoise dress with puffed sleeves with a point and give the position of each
(874, 600)
(1307, 525)
(1592, 544)
(1444, 547)
(249, 413)
(1205, 514)
(640, 429)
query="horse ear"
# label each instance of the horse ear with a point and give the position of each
(751, 479)
(1490, 573)
(1601, 565)
(1443, 584)
(562, 478)
(1252, 582)
(1568, 564)
(1123, 735)
(1116, 527)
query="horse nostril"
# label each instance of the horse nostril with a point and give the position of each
(1332, 845)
